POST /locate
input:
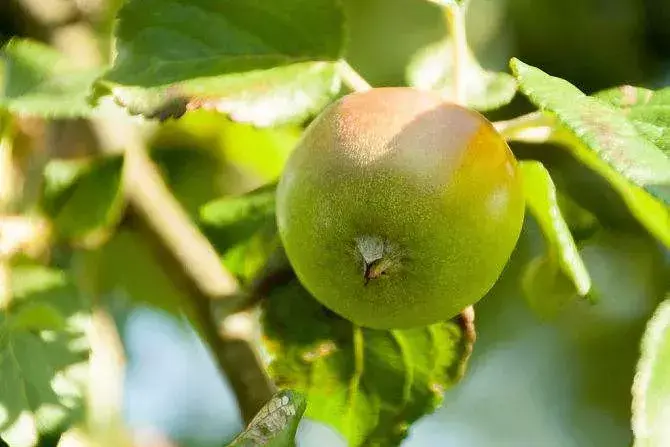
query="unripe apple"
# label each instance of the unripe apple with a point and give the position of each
(398, 209)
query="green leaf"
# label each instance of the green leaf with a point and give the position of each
(237, 218)
(271, 97)
(651, 213)
(128, 263)
(625, 96)
(243, 229)
(651, 387)
(648, 110)
(276, 423)
(203, 38)
(560, 274)
(38, 317)
(261, 153)
(432, 69)
(83, 197)
(39, 81)
(605, 131)
(368, 384)
(42, 353)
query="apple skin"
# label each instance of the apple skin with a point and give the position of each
(398, 209)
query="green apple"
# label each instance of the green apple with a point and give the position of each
(398, 209)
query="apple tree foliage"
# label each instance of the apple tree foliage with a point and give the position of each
(268, 67)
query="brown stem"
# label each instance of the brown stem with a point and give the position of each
(466, 321)
(192, 262)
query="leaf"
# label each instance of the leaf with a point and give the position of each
(83, 198)
(651, 213)
(129, 264)
(237, 218)
(262, 62)
(648, 110)
(39, 81)
(276, 423)
(42, 353)
(243, 229)
(271, 97)
(203, 38)
(37, 317)
(368, 384)
(605, 131)
(546, 291)
(271, 148)
(432, 69)
(651, 387)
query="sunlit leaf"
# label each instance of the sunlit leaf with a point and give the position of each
(651, 388)
(204, 38)
(264, 98)
(276, 423)
(39, 81)
(261, 62)
(42, 353)
(605, 131)
(649, 111)
(370, 385)
(650, 212)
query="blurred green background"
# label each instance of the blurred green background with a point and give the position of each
(530, 383)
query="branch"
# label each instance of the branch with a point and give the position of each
(192, 260)
(466, 320)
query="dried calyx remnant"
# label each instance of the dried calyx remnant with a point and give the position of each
(380, 257)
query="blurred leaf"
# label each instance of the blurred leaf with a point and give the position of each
(370, 385)
(203, 38)
(39, 81)
(605, 131)
(129, 264)
(651, 388)
(560, 275)
(177, 165)
(581, 221)
(42, 351)
(38, 317)
(648, 110)
(547, 287)
(629, 277)
(271, 97)
(276, 423)
(259, 152)
(243, 229)
(237, 218)
(83, 198)
(431, 69)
